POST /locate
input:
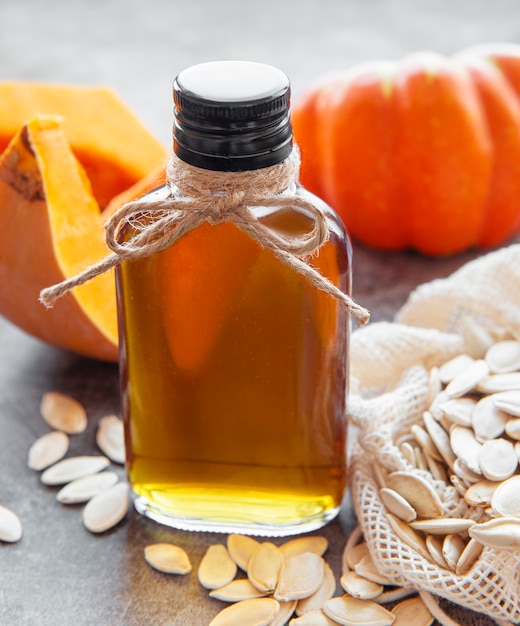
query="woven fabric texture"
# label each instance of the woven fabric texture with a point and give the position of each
(389, 392)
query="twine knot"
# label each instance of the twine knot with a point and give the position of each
(221, 208)
(215, 197)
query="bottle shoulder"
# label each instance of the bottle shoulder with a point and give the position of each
(287, 220)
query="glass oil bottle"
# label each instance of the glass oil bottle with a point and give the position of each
(234, 368)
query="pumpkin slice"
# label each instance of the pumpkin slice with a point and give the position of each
(51, 229)
(113, 146)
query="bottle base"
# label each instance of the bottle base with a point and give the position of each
(233, 523)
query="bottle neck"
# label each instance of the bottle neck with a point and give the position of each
(249, 183)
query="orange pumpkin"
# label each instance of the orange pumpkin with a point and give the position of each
(421, 154)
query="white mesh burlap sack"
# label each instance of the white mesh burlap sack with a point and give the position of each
(390, 363)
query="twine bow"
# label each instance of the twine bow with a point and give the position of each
(215, 197)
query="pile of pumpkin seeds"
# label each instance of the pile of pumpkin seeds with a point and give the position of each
(469, 439)
(269, 585)
(82, 479)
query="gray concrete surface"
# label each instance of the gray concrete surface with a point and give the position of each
(59, 574)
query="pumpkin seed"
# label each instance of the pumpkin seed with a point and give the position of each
(502, 533)
(74, 467)
(462, 471)
(216, 568)
(241, 548)
(84, 488)
(360, 587)
(504, 356)
(353, 611)
(354, 555)
(264, 566)
(452, 548)
(313, 618)
(442, 525)
(460, 486)
(513, 429)
(285, 612)
(508, 401)
(408, 535)
(110, 438)
(449, 370)
(435, 406)
(420, 460)
(63, 413)
(480, 494)
(425, 441)
(488, 420)
(434, 546)
(467, 379)
(440, 438)
(469, 557)
(237, 590)
(434, 384)
(396, 504)
(300, 576)
(466, 447)
(498, 459)
(412, 611)
(106, 509)
(499, 382)
(167, 558)
(418, 492)
(10, 526)
(324, 592)
(367, 568)
(408, 452)
(505, 501)
(477, 339)
(47, 450)
(254, 612)
(459, 410)
(307, 543)
(437, 469)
